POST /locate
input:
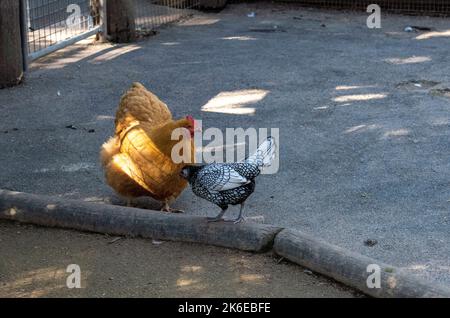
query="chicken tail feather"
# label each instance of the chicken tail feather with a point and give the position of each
(264, 155)
(109, 150)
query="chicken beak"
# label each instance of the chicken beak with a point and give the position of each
(197, 127)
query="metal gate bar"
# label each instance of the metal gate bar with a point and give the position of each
(54, 24)
(62, 44)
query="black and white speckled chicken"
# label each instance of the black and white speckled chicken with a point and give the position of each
(227, 184)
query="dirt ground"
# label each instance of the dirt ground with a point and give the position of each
(33, 263)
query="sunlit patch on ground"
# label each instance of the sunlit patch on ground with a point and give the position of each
(408, 60)
(358, 97)
(235, 102)
(434, 34)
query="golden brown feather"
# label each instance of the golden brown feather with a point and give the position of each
(137, 159)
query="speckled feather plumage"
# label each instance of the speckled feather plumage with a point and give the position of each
(230, 183)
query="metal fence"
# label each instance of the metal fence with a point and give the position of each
(414, 7)
(52, 24)
(150, 14)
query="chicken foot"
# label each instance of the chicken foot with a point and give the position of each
(237, 220)
(240, 218)
(167, 208)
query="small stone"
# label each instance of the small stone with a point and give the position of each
(370, 242)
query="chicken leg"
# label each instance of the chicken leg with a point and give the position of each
(167, 208)
(218, 217)
(240, 218)
(129, 203)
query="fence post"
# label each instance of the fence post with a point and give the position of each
(120, 23)
(103, 35)
(11, 58)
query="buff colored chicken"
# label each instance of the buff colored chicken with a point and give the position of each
(137, 159)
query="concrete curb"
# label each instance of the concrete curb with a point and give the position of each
(351, 268)
(117, 220)
(332, 261)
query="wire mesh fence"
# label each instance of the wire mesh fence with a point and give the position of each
(150, 14)
(49, 22)
(415, 7)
